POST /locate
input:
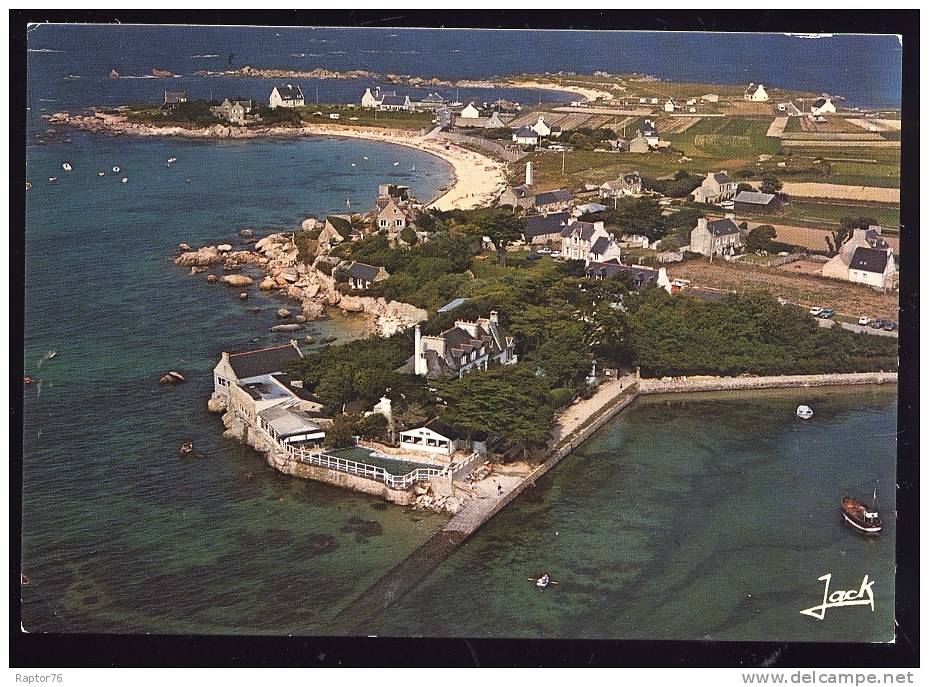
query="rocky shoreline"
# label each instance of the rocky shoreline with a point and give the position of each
(314, 290)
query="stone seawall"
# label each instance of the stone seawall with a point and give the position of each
(692, 384)
(287, 465)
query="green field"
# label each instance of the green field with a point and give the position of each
(831, 213)
(726, 138)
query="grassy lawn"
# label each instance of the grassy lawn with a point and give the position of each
(831, 213)
(395, 120)
(727, 139)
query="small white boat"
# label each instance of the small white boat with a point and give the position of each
(353, 164)
(101, 174)
(804, 412)
(124, 180)
(365, 157)
(28, 185)
(116, 169)
(49, 355)
(66, 166)
(53, 179)
(396, 163)
(172, 160)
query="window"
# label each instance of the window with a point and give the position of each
(399, 223)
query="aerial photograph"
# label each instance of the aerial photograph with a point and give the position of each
(460, 333)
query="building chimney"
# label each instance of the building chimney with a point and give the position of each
(663, 281)
(419, 361)
(701, 223)
(529, 174)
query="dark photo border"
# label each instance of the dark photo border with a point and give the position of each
(99, 650)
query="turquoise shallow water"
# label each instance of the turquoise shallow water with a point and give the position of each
(706, 517)
(119, 533)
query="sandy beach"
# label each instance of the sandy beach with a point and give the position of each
(586, 93)
(479, 180)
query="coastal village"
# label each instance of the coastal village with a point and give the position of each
(588, 252)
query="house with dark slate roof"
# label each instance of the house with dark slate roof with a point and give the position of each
(525, 136)
(286, 96)
(716, 237)
(588, 241)
(254, 386)
(465, 347)
(398, 103)
(553, 201)
(541, 229)
(173, 99)
(716, 187)
(612, 269)
(872, 266)
(361, 276)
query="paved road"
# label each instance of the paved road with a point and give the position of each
(857, 328)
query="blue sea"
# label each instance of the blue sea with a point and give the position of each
(68, 65)
(121, 534)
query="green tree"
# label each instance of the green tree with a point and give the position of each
(744, 187)
(500, 226)
(770, 184)
(341, 433)
(562, 357)
(510, 405)
(760, 238)
(408, 235)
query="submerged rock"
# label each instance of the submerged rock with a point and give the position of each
(246, 233)
(363, 528)
(286, 328)
(283, 313)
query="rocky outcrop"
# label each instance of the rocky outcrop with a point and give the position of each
(202, 257)
(173, 377)
(236, 280)
(294, 327)
(217, 403)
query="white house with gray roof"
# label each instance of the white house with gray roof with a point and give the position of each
(286, 96)
(588, 241)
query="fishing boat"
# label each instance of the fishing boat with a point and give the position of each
(543, 582)
(804, 412)
(116, 169)
(66, 166)
(861, 516)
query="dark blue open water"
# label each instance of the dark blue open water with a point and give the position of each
(708, 499)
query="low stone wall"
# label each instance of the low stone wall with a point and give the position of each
(683, 385)
(280, 461)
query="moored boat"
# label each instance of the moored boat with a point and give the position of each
(861, 516)
(804, 412)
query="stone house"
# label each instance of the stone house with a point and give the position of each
(553, 201)
(626, 185)
(526, 136)
(872, 266)
(336, 229)
(173, 99)
(235, 111)
(253, 386)
(396, 103)
(391, 217)
(716, 187)
(639, 144)
(286, 96)
(465, 347)
(470, 112)
(716, 237)
(362, 276)
(542, 229)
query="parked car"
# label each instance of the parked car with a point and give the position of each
(545, 251)
(533, 256)
(815, 311)
(826, 313)
(877, 324)
(864, 319)
(889, 325)
(727, 205)
(556, 254)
